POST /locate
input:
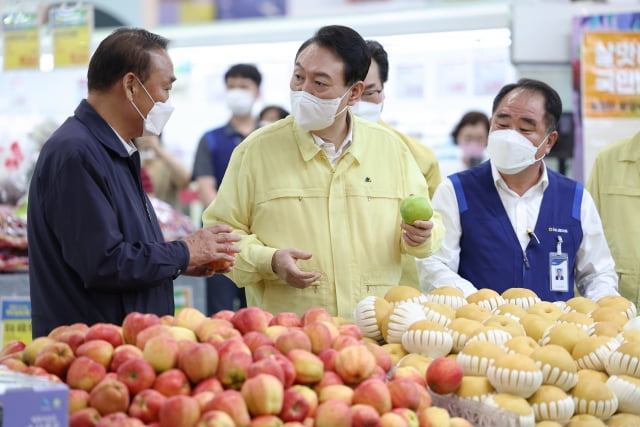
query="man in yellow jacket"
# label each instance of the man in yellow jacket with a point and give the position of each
(370, 107)
(316, 196)
(614, 183)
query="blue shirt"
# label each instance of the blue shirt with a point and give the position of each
(214, 151)
(96, 251)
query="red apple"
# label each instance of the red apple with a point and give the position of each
(232, 403)
(137, 374)
(350, 329)
(14, 363)
(87, 417)
(255, 339)
(55, 358)
(309, 368)
(150, 332)
(234, 344)
(161, 352)
(382, 357)
(199, 362)
(355, 364)
(310, 396)
(404, 393)
(100, 351)
(316, 314)
(294, 338)
(391, 419)
(135, 322)
(123, 353)
(210, 384)
(434, 416)
(13, 346)
(119, 419)
(32, 348)
(179, 410)
(266, 421)
(85, 373)
(334, 413)
(364, 416)
(335, 391)
(251, 319)
(146, 405)
(373, 392)
(263, 394)
(266, 366)
(444, 375)
(232, 368)
(109, 396)
(329, 378)
(210, 326)
(328, 357)
(223, 314)
(188, 317)
(274, 331)
(319, 336)
(295, 407)
(78, 399)
(266, 350)
(409, 415)
(411, 373)
(172, 382)
(286, 318)
(215, 419)
(105, 331)
(287, 368)
(344, 341)
(74, 338)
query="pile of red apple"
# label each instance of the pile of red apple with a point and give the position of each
(244, 368)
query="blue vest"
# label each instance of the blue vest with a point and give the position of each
(221, 143)
(490, 253)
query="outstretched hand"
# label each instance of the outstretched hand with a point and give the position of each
(284, 264)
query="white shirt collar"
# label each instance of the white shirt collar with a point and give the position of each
(499, 182)
(129, 146)
(330, 148)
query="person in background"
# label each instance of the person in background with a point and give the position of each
(214, 150)
(370, 107)
(614, 183)
(167, 174)
(511, 221)
(316, 196)
(96, 252)
(271, 113)
(470, 135)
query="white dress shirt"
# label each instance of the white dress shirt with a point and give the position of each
(595, 275)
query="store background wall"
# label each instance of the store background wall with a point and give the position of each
(446, 57)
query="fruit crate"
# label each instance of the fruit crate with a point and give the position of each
(477, 413)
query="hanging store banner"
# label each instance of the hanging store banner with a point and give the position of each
(71, 30)
(611, 74)
(21, 35)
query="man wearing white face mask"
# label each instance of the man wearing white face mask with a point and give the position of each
(370, 107)
(316, 195)
(96, 251)
(512, 222)
(242, 83)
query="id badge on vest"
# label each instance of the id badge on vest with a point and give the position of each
(558, 269)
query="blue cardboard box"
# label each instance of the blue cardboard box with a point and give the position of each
(32, 401)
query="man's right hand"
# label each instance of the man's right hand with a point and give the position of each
(212, 244)
(284, 264)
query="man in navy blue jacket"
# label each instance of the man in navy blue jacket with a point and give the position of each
(96, 252)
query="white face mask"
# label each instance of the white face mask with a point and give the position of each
(511, 152)
(313, 113)
(157, 117)
(239, 101)
(367, 110)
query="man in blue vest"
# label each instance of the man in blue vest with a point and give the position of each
(511, 221)
(242, 83)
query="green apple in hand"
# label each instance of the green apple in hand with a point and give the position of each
(414, 208)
